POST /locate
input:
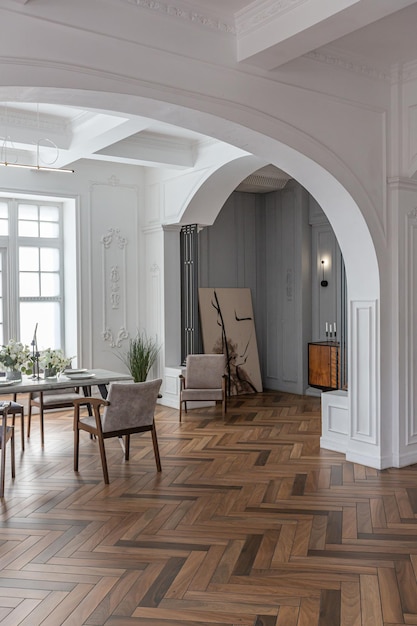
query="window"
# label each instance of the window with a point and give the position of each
(31, 233)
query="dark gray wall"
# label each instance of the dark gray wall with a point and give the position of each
(265, 242)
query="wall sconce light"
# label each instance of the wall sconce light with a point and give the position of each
(324, 282)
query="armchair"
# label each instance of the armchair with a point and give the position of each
(129, 409)
(204, 380)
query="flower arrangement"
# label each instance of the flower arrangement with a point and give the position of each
(54, 360)
(16, 356)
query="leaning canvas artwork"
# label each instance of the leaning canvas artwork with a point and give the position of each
(228, 326)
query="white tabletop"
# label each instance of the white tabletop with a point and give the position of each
(28, 384)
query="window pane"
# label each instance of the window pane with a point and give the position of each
(4, 227)
(4, 210)
(49, 229)
(49, 213)
(47, 315)
(28, 259)
(28, 229)
(49, 259)
(28, 212)
(28, 284)
(49, 285)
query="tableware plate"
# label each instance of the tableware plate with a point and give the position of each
(5, 383)
(74, 371)
(81, 376)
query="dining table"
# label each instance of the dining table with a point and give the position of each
(85, 378)
(73, 378)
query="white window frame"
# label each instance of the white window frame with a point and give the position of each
(11, 244)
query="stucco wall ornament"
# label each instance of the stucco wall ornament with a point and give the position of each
(114, 271)
(113, 234)
(115, 342)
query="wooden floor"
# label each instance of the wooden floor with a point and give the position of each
(249, 523)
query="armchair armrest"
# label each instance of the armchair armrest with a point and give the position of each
(95, 402)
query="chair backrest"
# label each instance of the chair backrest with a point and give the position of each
(132, 405)
(204, 371)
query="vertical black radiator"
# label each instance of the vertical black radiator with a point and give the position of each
(190, 326)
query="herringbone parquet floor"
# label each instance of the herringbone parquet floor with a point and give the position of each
(249, 523)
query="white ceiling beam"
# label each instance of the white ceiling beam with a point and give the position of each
(274, 32)
(97, 133)
(149, 151)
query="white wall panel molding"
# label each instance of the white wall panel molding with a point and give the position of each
(114, 207)
(410, 330)
(364, 375)
(410, 135)
(114, 288)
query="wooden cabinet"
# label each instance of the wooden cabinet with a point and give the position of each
(324, 365)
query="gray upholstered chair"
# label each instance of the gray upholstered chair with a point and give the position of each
(129, 408)
(6, 434)
(52, 400)
(204, 380)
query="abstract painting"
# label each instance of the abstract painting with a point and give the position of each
(228, 327)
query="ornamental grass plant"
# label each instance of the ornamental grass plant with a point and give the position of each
(140, 356)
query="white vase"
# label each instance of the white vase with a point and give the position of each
(14, 375)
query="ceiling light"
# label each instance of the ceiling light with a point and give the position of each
(37, 167)
(44, 168)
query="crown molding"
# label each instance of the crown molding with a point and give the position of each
(348, 64)
(182, 12)
(262, 11)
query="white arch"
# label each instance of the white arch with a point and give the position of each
(317, 173)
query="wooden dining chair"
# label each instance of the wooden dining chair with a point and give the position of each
(6, 435)
(17, 409)
(128, 409)
(51, 400)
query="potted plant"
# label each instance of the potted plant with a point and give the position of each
(53, 362)
(140, 356)
(15, 358)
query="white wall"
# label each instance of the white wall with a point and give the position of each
(106, 266)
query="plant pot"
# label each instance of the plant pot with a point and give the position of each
(14, 375)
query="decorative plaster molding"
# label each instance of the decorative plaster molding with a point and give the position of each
(114, 233)
(115, 342)
(257, 13)
(10, 118)
(168, 8)
(349, 65)
(410, 324)
(114, 287)
(412, 216)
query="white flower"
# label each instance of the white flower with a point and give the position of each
(54, 359)
(16, 356)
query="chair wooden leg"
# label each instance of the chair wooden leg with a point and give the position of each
(224, 407)
(22, 428)
(2, 467)
(103, 460)
(76, 447)
(42, 426)
(29, 417)
(180, 416)
(127, 447)
(156, 448)
(12, 452)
